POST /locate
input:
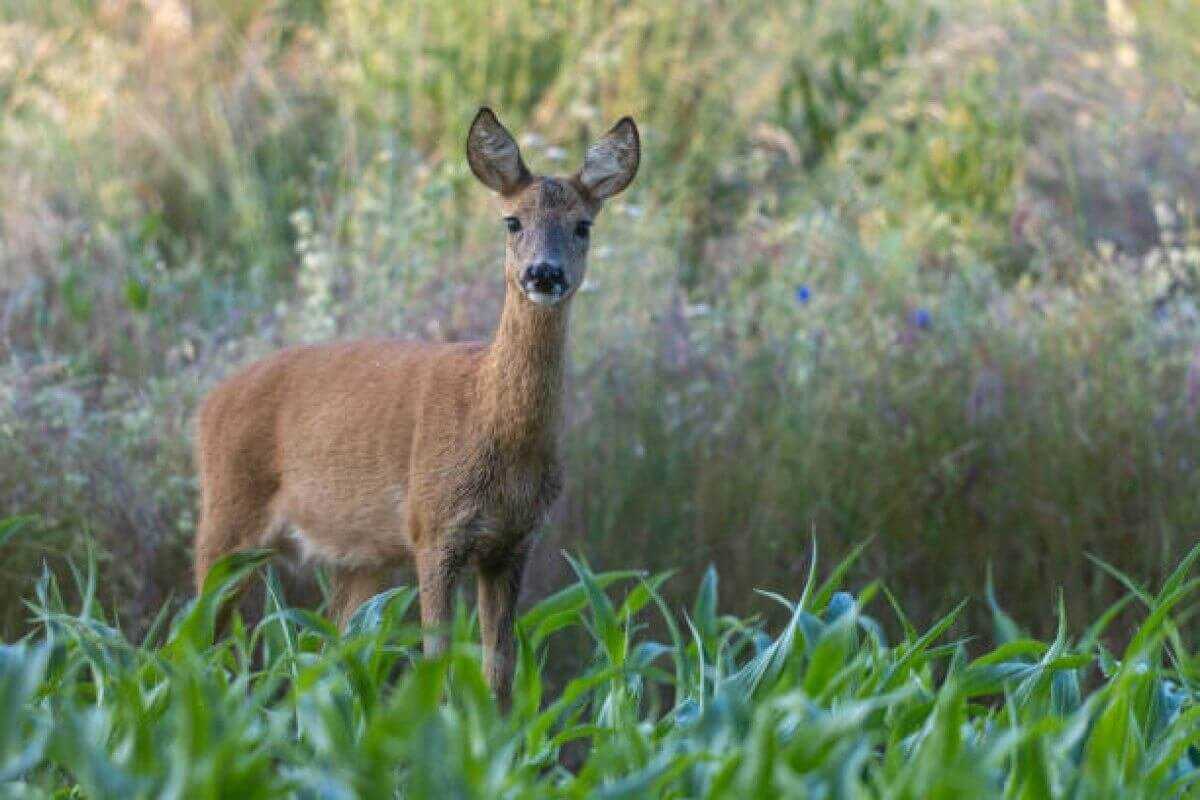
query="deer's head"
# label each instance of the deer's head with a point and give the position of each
(548, 219)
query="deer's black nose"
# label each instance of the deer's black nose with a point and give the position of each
(544, 277)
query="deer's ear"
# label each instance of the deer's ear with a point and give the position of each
(493, 154)
(612, 160)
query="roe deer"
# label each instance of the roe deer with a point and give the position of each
(368, 453)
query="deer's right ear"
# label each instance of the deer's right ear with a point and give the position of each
(493, 154)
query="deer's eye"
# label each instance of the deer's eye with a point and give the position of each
(582, 228)
(513, 224)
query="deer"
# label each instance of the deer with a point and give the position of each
(367, 455)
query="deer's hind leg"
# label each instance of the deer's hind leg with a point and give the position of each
(235, 514)
(238, 477)
(231, 520)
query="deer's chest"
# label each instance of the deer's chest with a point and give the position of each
(521, 494)
(500, 500)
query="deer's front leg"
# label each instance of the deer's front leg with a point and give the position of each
(438, 569)
(499, 584)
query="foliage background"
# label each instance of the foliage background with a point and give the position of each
(912, 269)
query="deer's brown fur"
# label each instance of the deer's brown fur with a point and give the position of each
(370, 453)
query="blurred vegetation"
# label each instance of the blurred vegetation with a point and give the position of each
(912, 269)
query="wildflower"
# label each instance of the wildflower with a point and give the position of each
(803, 294)
(922, 319)
(840, 604)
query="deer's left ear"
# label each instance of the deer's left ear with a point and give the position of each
(612, 160)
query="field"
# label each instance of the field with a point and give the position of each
(909, 279)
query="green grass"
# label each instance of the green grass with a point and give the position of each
(823, 705)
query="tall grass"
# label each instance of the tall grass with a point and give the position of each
(722, 706)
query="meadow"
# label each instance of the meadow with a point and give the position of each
(913, 279)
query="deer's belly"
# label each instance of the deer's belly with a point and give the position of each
(344, 523)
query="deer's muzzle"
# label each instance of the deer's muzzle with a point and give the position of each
(544, 283)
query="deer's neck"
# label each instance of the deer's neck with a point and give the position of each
(521, 377)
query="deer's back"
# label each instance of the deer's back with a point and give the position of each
(325, 433)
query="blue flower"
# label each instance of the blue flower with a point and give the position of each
(840, 604)
(803, 294)
(922, 318)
